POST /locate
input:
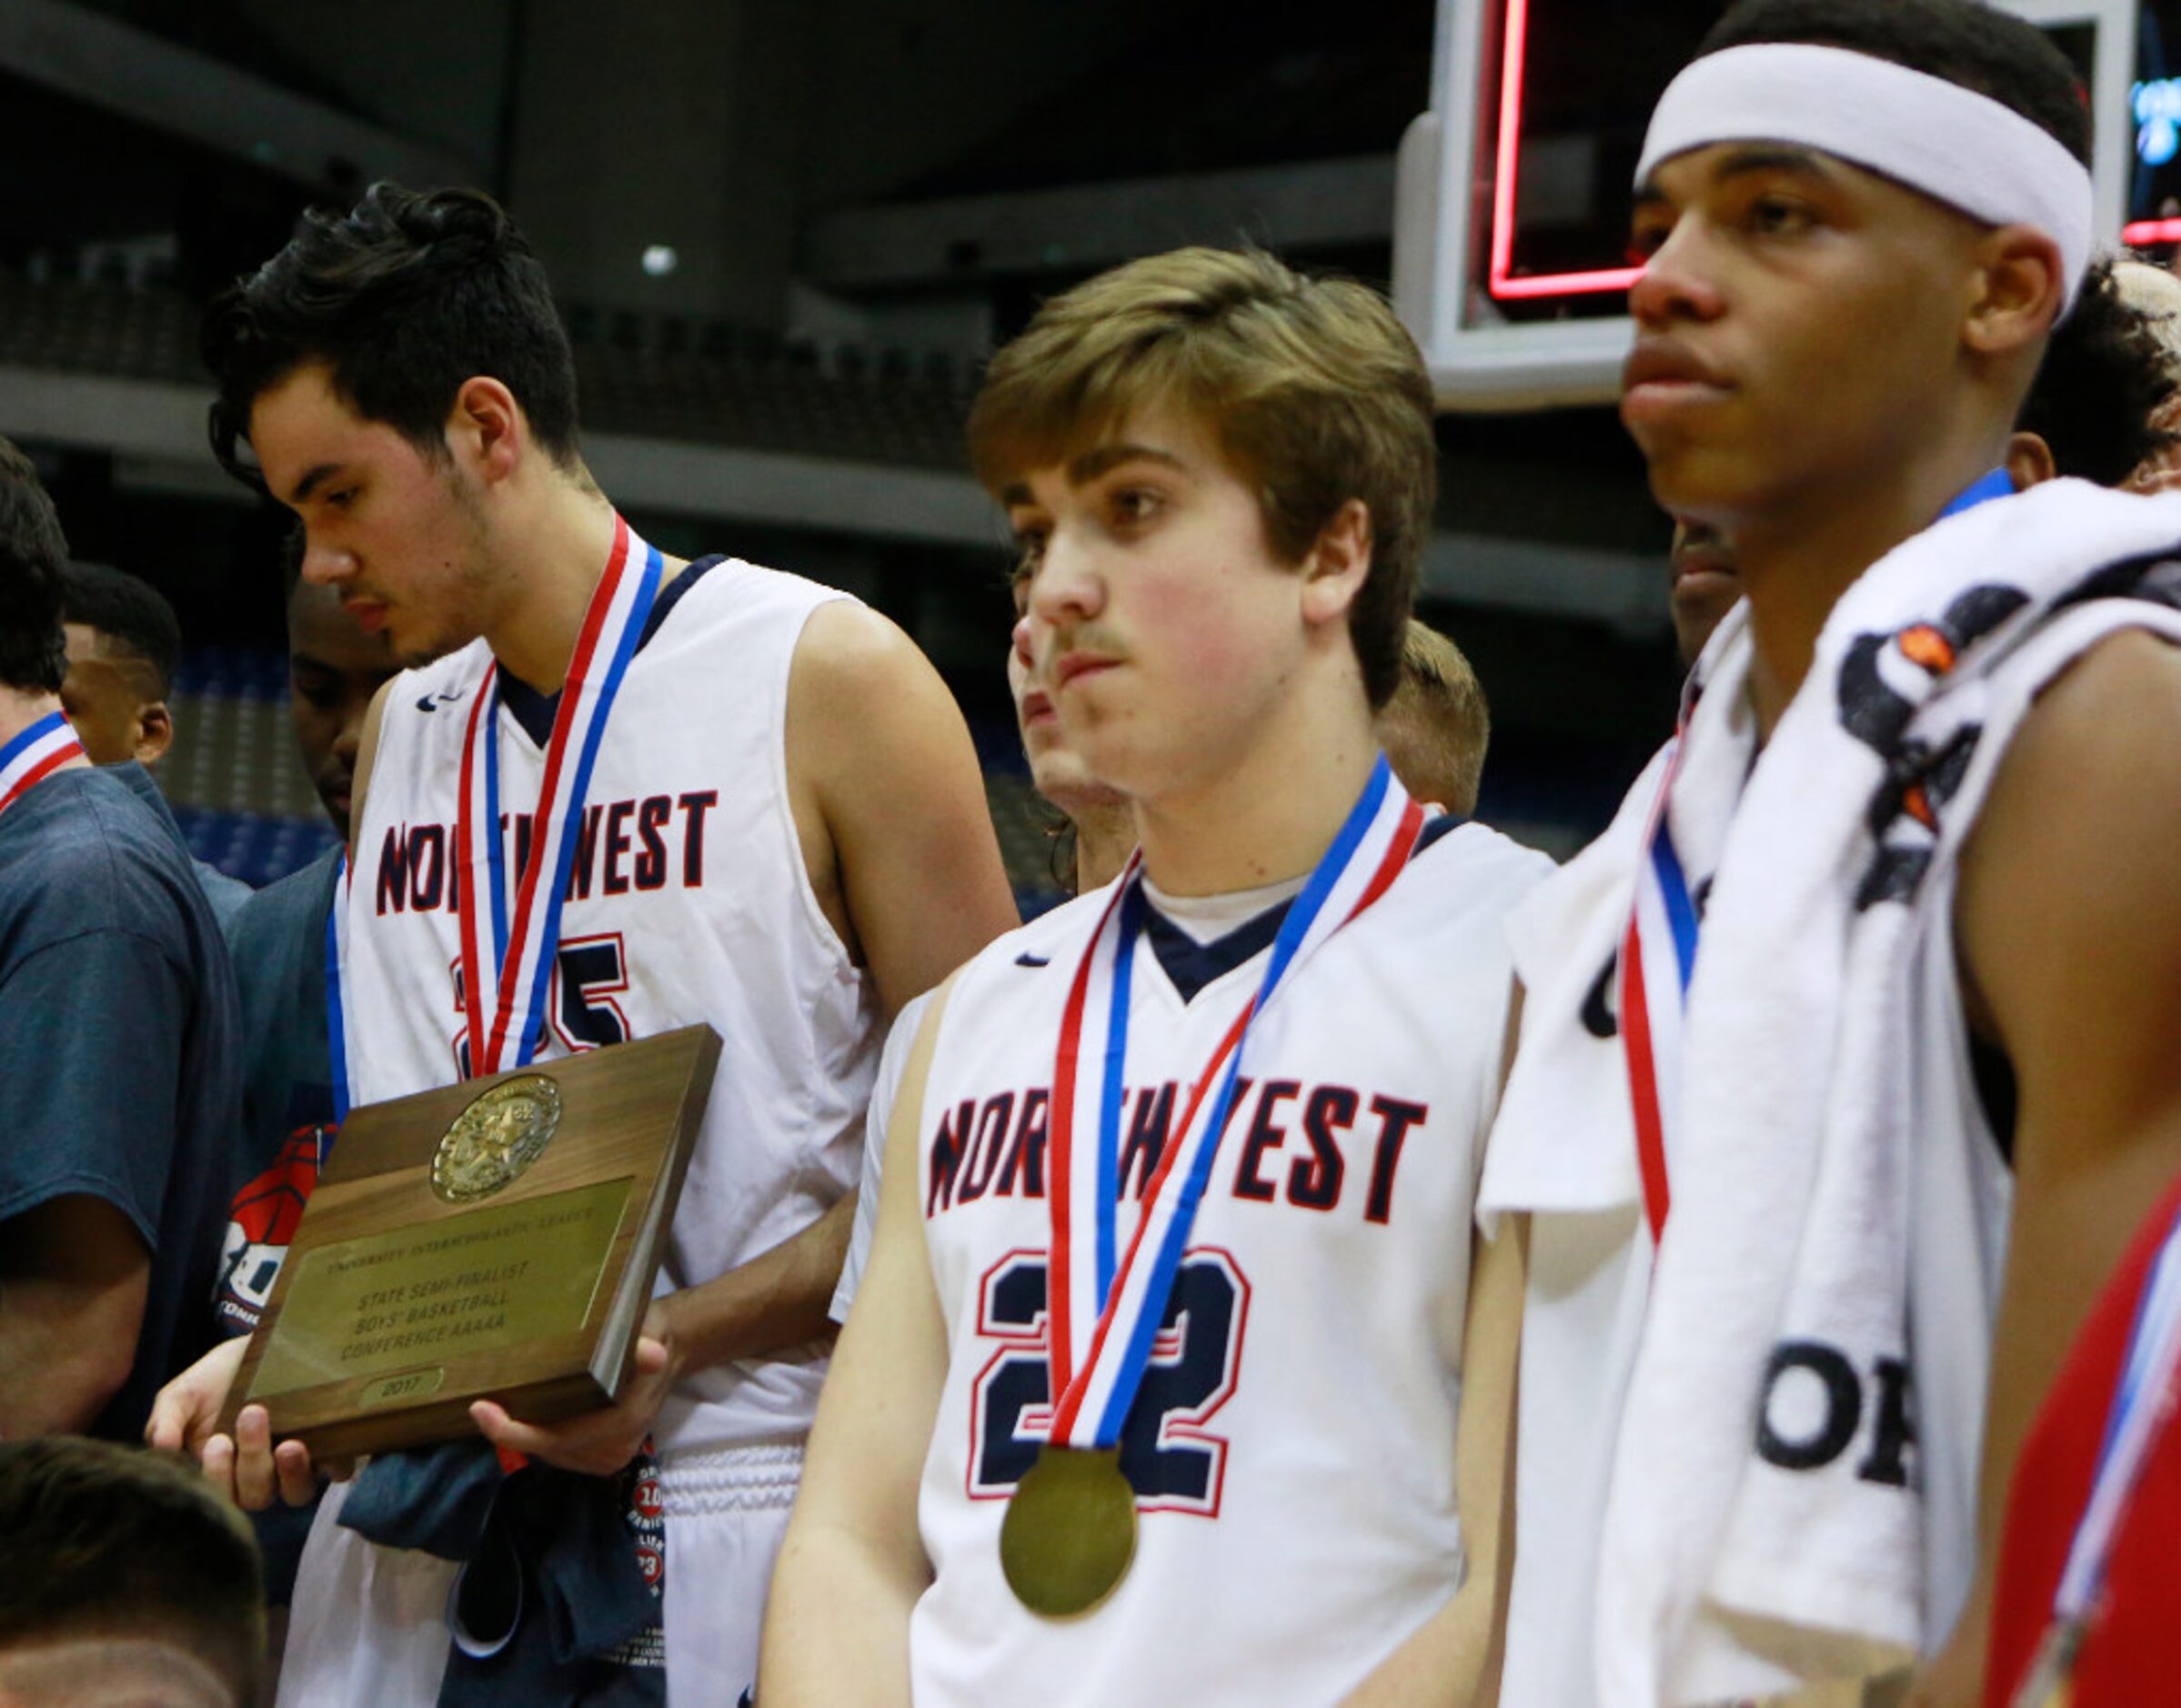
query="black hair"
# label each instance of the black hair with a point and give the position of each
(1972, 46)
(403, 298)
(97, 1539)
(2105, 380)
(133, 615)
(34, 556)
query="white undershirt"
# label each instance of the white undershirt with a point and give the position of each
(1207, 918)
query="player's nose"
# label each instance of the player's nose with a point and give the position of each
(1675, 284)
(325, 565)
(1069, 585)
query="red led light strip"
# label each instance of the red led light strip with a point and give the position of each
(2143, 233)
(1497, 279)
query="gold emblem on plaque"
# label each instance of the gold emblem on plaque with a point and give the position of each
(498, 1136)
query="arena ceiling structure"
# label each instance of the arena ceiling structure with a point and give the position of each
(785, 238)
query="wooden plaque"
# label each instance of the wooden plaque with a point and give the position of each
(492, 1240)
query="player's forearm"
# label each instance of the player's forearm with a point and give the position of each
(777, 1300)
(836, 1624)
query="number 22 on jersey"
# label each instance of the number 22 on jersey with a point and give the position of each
(1170, 1458)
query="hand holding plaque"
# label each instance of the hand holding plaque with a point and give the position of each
(492, 1240)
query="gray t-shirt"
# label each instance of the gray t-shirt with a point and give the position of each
(118, 1063)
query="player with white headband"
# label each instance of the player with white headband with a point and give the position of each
(1848, 1062)
(1150, 1394)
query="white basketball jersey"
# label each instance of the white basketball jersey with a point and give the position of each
(1292, 1444)
(687, 900)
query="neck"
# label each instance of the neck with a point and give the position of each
(1105, 836)
(1796, 562)
(1271, 815)
(548, 565)
(21, 708)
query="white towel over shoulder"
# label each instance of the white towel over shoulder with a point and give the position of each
(1761, 1479)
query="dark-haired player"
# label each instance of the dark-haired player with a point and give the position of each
(2100, 409)
(122, 643)
(118, 1048)
(1848, 1063)
(724, 794)
(278, 940)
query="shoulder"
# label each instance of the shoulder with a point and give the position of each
(715, 595)
(1469, 874)
(1012, 964)
(271, 917)
(845, 646)
(84, 855)
(2066, 892)
(2098, 752)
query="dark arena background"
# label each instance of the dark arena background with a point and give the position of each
(788, 234)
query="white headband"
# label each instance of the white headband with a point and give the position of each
(1954, 145)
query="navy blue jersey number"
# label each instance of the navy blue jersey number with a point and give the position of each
(589, 972)
(1170, 1460)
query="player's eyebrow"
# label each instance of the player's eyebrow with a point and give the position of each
(1757, 157)
(311, 482)
(1082, 470)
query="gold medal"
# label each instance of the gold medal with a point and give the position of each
(1069, 1532)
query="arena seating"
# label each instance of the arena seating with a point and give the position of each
(652, 375)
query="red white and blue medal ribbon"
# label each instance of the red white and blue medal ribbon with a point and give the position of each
(1658, 959)
(504, 974)
(1658, 950)
(34, 754)
(1106, 1307)
(2143, 1404)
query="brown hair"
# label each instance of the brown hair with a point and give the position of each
(101, 1540)
(1313, 390)
(1436, 726)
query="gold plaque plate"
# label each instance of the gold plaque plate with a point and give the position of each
(498, 1136)
(419, 1296)
(1070, 1534)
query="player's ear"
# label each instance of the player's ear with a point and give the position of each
(2030, 461)
(154, 732)
(2016, 294)
(486, 430)
(1338, 564)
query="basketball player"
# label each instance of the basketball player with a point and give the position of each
(123, 642)
(1436, 727)
(1098, 820)
(335, 671)
(1782, 1334)
(1220, 473)
(2101, 409)
(118, 1049)
(754, 805)
(1435, 731)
